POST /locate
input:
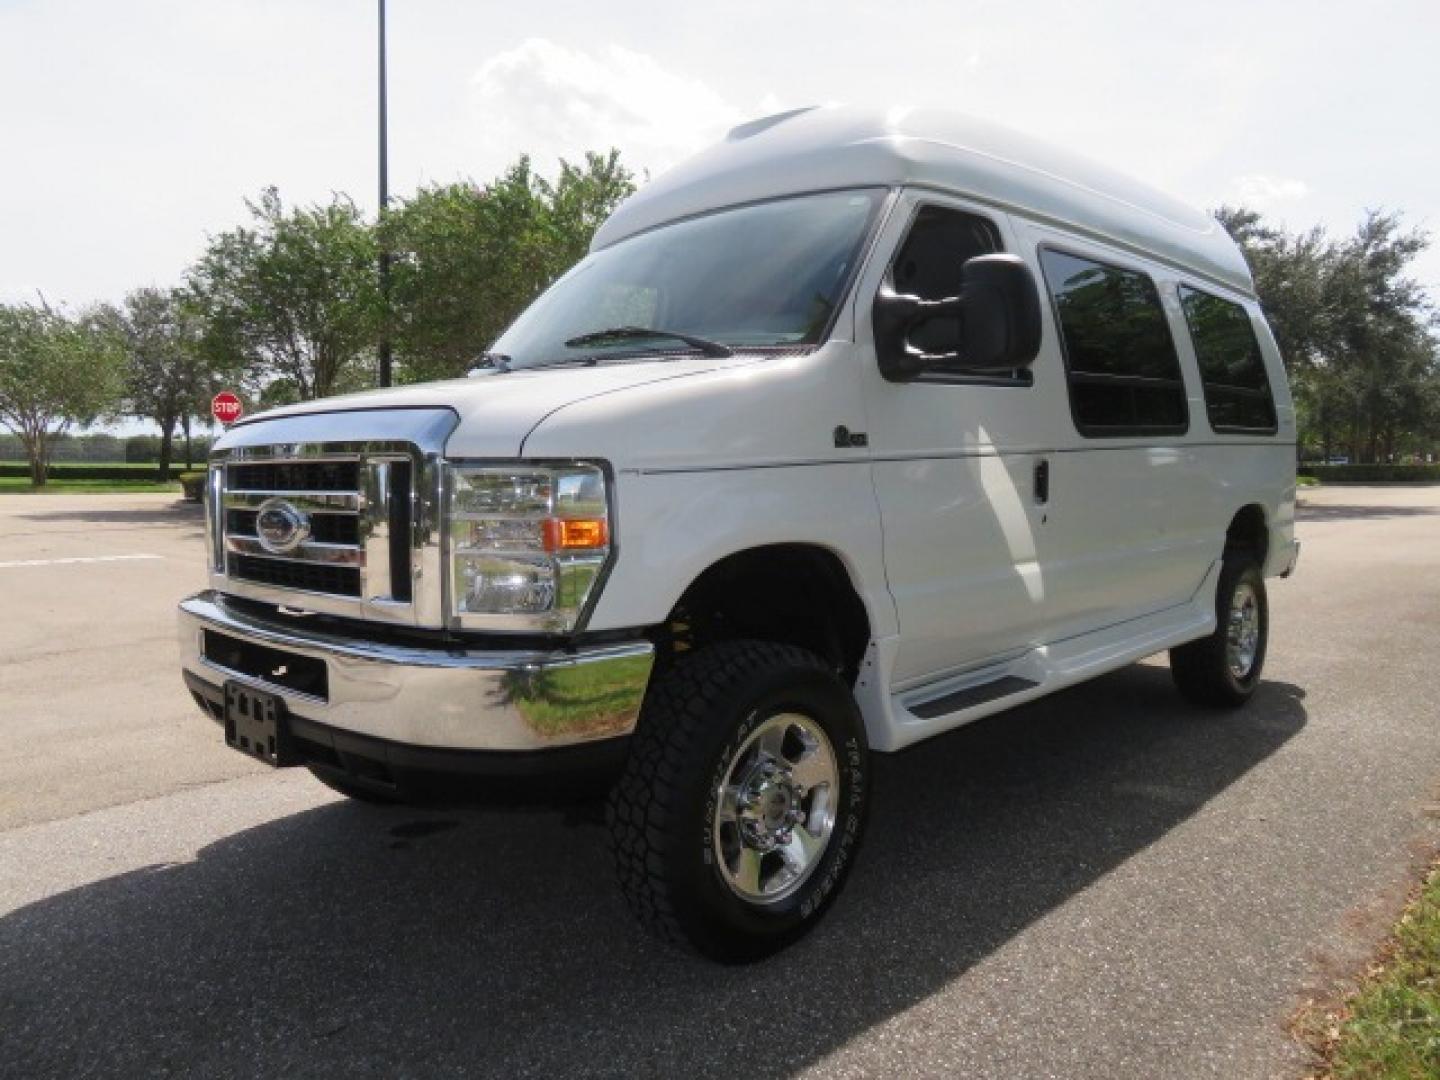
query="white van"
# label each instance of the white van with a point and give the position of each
(851, 430)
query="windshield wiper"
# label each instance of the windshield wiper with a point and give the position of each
(626, 333)
(564, 361)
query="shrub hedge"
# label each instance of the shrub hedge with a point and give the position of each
(102, 449)
(193, 485)
(1372, 474)
(65, 471)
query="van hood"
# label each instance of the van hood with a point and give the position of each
(498, 410)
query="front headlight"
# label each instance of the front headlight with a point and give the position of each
(527, 544)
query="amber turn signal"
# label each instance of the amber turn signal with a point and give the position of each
(563, 534)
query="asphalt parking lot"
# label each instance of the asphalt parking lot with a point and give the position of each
(1107, 883)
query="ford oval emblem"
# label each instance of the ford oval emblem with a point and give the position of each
(280, 527)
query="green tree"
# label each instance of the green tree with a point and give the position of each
(578, 203)
(1357, 334)
(1383, 331)
(1291, 273)
(55, 371)
(294, 297)
(166, 377)
(468, 259)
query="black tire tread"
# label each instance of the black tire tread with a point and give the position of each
(1199, 668)
(676, 708)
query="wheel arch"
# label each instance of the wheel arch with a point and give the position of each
(795, 593)
(1249, 530)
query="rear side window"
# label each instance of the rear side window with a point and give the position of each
(1120, 360)
(1232, 369)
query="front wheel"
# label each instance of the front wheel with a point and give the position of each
(742, 803)
(1222, 670)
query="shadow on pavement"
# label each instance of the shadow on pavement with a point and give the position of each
(354, 940)
(178, 511)
(1336, 512)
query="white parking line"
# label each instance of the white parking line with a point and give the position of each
(80, 559)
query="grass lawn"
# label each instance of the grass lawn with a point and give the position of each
(19, 485)
(1390, 1029)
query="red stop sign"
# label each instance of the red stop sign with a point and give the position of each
(225, 407)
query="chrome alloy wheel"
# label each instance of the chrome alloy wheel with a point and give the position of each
(1242, 637)
(776, 808)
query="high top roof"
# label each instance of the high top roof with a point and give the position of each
(839, 147)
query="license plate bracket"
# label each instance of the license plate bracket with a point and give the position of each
(257, 724)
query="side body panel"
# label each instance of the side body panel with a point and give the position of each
(1120, 560)
(713, 465)
(954, 465)
(1127, 511)
(1279, 484)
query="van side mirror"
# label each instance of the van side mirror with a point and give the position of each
(997, 311)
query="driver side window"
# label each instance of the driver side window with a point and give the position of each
(928, 265)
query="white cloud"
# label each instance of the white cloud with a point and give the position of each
(279, 92)
(1260, 190)
(550, 101)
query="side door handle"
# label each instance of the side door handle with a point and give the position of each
(1042, 481)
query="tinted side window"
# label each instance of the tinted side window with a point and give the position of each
(1232, 370)
(928, 265)
(1120, 360)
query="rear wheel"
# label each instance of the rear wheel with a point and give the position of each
(1222, 670)
(742, 803)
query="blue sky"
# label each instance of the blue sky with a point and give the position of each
(132, 129)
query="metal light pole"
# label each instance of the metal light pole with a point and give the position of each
(384, 201)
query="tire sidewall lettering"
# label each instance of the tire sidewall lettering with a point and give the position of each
(723, 759)
(811, 898)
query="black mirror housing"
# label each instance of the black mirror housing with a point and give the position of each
(1000, 313)
(998, 308)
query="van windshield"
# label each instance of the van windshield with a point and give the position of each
(767, 274)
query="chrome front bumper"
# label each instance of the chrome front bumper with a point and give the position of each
(443, 698)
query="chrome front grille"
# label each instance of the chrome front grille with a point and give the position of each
(340, 477)
(329, 528)
(339, 524)
(331, 498)
(284, 574)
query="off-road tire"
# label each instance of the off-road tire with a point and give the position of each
(1201, 669)
(661, 811)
